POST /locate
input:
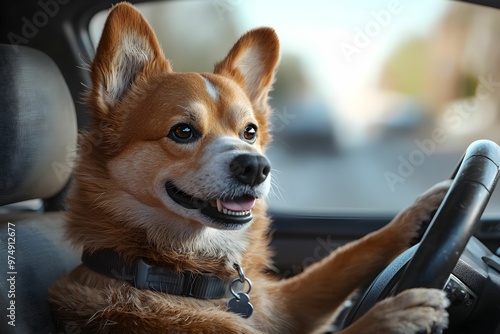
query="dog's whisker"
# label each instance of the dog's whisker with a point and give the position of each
(276, 189)
(277, 171)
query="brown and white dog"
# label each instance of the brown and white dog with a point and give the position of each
(170, 183)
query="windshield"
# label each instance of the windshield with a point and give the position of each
(375, 101)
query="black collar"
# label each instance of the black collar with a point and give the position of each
(144, 276)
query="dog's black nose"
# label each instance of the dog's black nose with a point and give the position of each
(251, 169)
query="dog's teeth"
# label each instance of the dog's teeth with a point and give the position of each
(225, 211)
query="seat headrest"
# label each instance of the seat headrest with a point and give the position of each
(38, 127)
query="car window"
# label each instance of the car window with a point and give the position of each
(374, 101)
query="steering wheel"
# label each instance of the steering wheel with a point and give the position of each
(448, 256)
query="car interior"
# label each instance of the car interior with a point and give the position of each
(45, 48)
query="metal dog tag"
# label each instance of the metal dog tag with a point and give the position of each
(240, 305)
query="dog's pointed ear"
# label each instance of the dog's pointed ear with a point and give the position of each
(127, 46)
(252, 62)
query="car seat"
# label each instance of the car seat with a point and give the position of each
(38, 134)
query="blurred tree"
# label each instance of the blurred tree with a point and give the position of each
(459, 58)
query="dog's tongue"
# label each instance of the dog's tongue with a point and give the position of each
(239, 204)
(244, 203)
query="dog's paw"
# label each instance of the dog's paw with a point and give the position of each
(413, 221)
(434, 195)
(415, 311)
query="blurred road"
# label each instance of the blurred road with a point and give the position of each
(365, 179)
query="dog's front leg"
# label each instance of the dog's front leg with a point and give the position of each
(311, 297)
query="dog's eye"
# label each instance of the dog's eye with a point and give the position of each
(250, 133)
(183, 133)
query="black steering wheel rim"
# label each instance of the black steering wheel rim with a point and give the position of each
(430, 263)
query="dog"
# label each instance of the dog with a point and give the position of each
(168, 206)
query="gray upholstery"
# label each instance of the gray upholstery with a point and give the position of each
(41, 256)
(37, 126)
(37, 132)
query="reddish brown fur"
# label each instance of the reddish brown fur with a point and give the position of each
(113, 170)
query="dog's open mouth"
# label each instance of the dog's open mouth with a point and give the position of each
(233, 211)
